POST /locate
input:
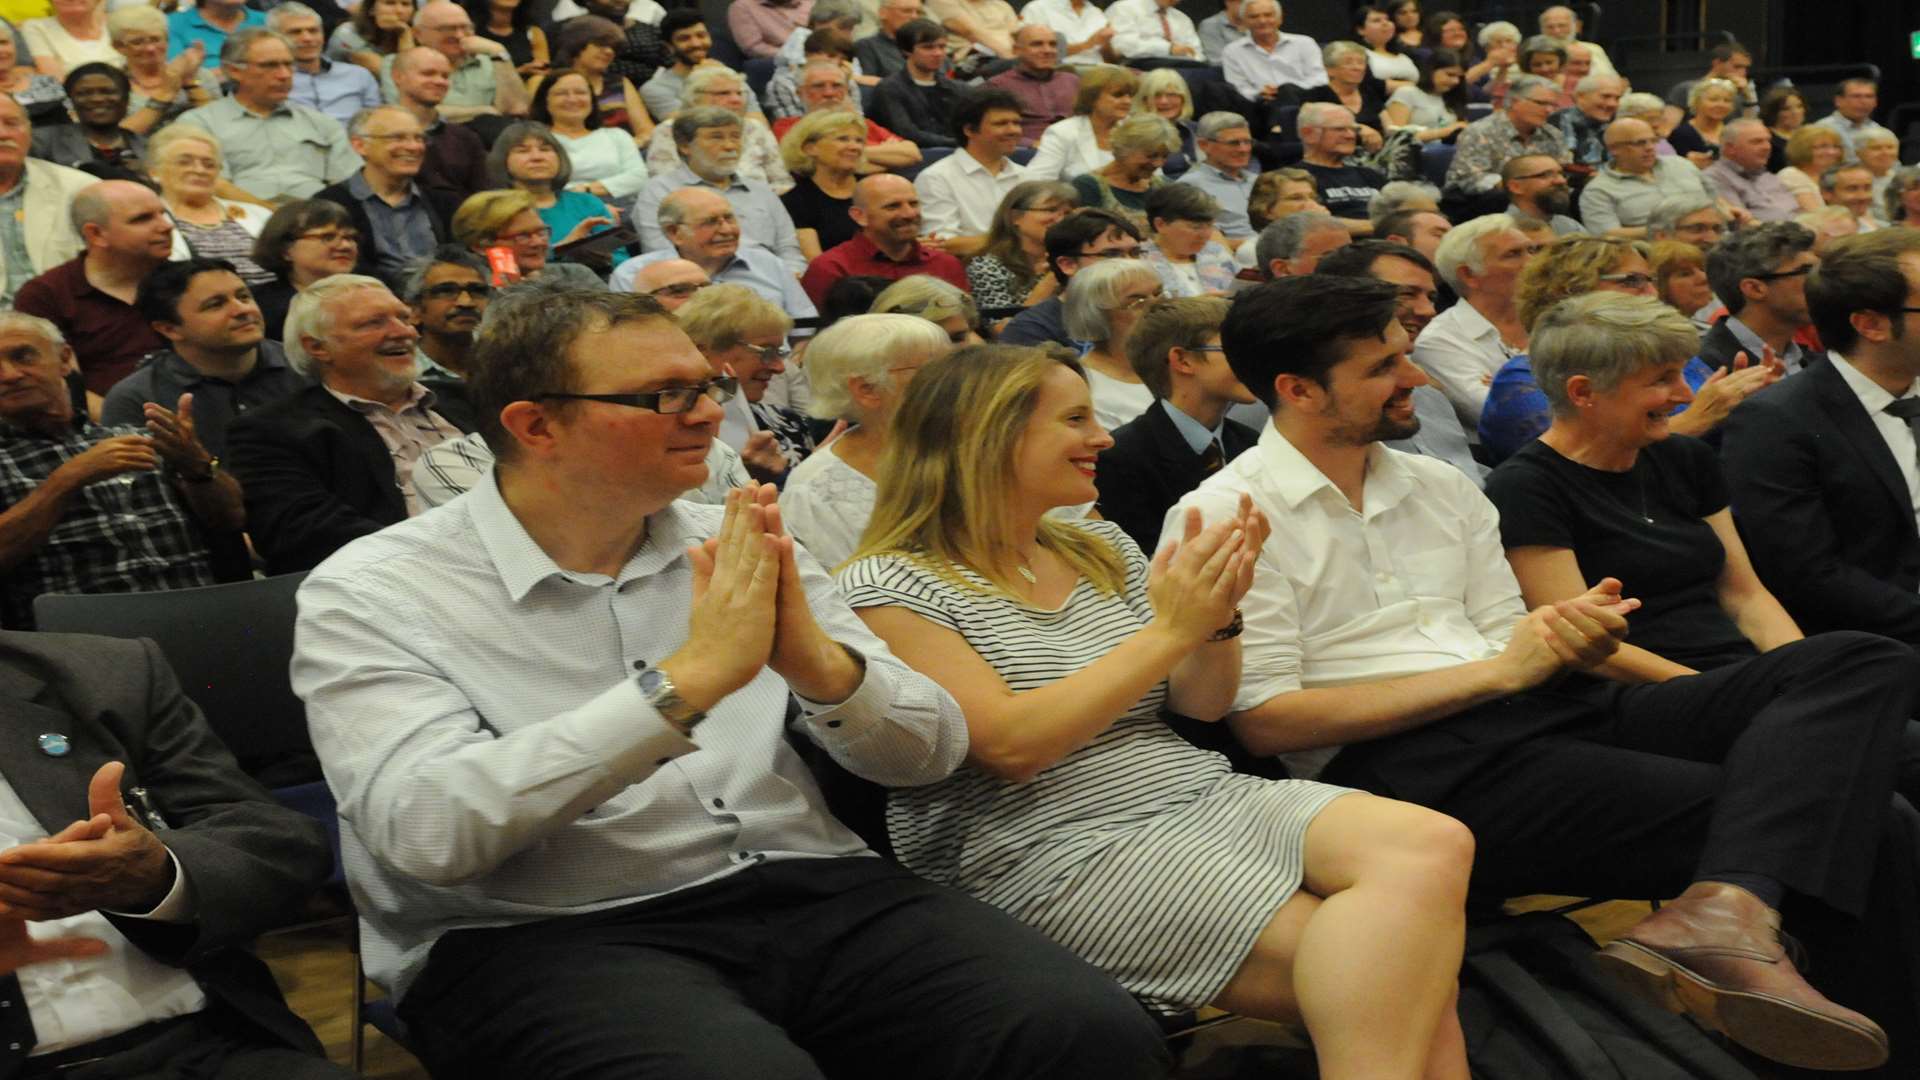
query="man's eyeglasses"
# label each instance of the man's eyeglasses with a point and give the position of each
(447, 290)
(1117, 253)
(330, 237)
(1779, 274)
(1631, 281)
(671, 401)
(679, 290)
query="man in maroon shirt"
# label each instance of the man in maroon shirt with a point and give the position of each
(126, 233)
(887, 209)
(1045, 92)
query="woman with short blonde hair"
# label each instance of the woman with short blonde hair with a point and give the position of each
(823, 151)
(161, 90)
(1811, 151)
(1101, 304)
(936, 301)
(1164, 93)
(743, 334)
(1141, 145)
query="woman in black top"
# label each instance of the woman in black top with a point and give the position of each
(1607, 492)
(823, 151)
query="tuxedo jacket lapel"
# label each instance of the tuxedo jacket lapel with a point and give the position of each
(1850, 419)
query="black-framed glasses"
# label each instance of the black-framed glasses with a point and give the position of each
(674, 399)
(1555, 174)
(330, 237)
(1778, 274)
(447, 290)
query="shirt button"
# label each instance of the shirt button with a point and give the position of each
(639, 665)
(719, 804)
(833, 723)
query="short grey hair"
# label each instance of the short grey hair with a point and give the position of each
(1286, 237)
(702, 78)
(1093, 291)
(1527, 84)
(1498, 30)
(1754, 251)
(689, 122)
(1666, 213)
(1705, 86)
(673, 208)
(1605, 336)
(1397, 195)
(413, 285)
(1337, 51)
(1875, 136)
(136, 17)
(1215, 124)
(291, 9)
(1589, 83)
(1142, 133)
(240, 42)
(1831, 177)
(1738, 124)
(357, 127)
(1316, 113)
(926, 297)
(1898, 182)
(309, 315)
(19, 322)
(1638, 104)
(1461, 247)
(865, 347)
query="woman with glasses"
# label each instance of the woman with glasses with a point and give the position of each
(1079, 810)
(739, 332)
(185, 161)
(301, 243)
(1280, 192)
(1102, 303)
(530, 158)
(96, 140)
(1079, 144)
(1517, 411)
(1185, 250)
(939, 302)
(1011, 269)
(1811, 151)
(587, 47)
(858, 370)
(161, 89)
(603, 159)
(508, 221)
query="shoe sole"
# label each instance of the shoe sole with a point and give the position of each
(1775, 1029)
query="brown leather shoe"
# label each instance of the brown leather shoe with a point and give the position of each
(1714, 953)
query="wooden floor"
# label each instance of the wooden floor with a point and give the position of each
(315, 969)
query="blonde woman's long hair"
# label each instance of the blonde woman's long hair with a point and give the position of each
(949, 465)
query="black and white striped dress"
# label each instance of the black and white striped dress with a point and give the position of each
(1142, 853)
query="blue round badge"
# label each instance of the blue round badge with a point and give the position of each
(54, 744)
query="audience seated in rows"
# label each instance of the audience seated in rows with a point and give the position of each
(1851, 186)
(162, 88)
(1152, 30)
(760, 27)
(939, 302)
(335, 462)
(206, 26)
(1583, 125)
(36, 196)
(709, 142)
(1351, 85)
(1421, 230)
(879, 54)
(824, 89)
(1854, 101)
(1759, 275)
(1809, 153)
(1083, 238)
(101, 509)
(1102, 303)
(1328, 136)
(456, 158)
(528, 157)
(1267, 66)
(960, 193)
(587, 47)
(1141, 144)
(1709, 105)
(825, 153)
(1741, 178)
(95, 141)
(1435, 107)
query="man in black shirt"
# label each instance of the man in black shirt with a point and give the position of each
(1328, 134)
(917, 101)
(879, 55)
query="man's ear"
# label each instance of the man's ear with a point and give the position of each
(1297, 392)
(68, 362)
(531, 425)
(168, 330)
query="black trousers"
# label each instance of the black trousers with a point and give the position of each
(211, 1045)
(806, 968)
(1783, 765)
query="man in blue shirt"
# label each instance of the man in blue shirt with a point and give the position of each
(338, 89)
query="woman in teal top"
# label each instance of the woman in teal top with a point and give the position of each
(526, 156)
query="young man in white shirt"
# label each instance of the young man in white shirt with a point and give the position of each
(960, 193)
(1387, 647)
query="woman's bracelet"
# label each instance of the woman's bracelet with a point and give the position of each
(1231, 630)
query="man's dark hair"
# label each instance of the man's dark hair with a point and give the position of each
(1070, 235)
(413, 285)
(1724, 52)
(1859, 273)
(829, 41)
(158, 298)
(289, 223)
(917, 33)
(1399, 223)
(1301, 325)
(677, 20)
(971, 110)
(1357, 259)
(851, 295)
(526, 345)
(1752, 252)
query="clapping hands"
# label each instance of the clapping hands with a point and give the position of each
(1197, 581)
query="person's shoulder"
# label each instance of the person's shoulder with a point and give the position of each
(427, 546)
(61, 176)
(288, 415)
(1685, 451)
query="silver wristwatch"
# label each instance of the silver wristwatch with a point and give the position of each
(657, 687)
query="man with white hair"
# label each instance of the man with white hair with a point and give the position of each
(34, 196)
(1583, 124)
(62, 529)
(1328, 136)
(1464, 346)
(338, 88)
(701, 228)
(335, 462)
(1622, 195)
(274, 150)
(1523, 127)
(1226, 170)
(1267, 67)
(484, 82)
(1741, 178)
(1563, 26)
(127, 234)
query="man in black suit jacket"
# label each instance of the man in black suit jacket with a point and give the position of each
(1185, 436)
(412, 219)
(142, 809)
(1820, 472)
(335, 461)
(917, 102)
(1760, 274)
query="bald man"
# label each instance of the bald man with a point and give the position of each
(1621, 196)
(456, 162)
(483, 82)
(702, 229)
(671, 281)
(887, 209)
(124, 234)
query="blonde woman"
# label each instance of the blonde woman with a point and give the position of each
(711, 84)
(1811, 151)
(511, 220)
(1079, 144)
(740, 332)
(75, 34)
(858, 369)
(1140, 145)
(1079, 811)
(1709, 104)
(1164, 93)
(185, 161)
(823, 152)
(939, 302)
(162, 89)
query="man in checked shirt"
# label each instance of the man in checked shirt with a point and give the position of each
(100, 509)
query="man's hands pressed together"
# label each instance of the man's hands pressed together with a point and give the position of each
(108, 862)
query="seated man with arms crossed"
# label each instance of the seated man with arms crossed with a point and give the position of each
(553, 712)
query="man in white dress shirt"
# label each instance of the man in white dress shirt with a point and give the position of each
(1466, 345)
(555, 714)
(960, 193)
(1081, 24)
(1153, 30)
(1268, 66)
(1387, 648)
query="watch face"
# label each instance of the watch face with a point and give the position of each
(650, 680)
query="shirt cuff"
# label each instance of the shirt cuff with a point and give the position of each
(175, 907)
(865, 709)
(608, 720)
